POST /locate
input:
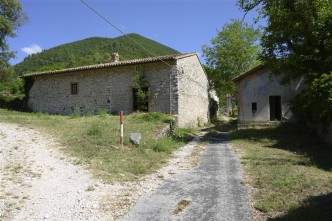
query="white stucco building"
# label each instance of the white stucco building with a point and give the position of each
(262, 100)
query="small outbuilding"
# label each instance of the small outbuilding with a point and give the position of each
(175, 84)
(262, 100)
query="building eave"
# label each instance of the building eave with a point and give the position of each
(250, 72)
(158, 59)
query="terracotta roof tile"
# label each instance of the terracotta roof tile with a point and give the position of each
(250, 72)
(172, 57)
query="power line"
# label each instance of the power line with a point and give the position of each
(114, 26)
(118, 29)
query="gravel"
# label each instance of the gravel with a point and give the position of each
(211, 191)
(38, 182)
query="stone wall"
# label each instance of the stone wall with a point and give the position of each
(193, 97)
(180, 88)
(109, 89)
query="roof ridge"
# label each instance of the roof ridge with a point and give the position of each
(115, 64)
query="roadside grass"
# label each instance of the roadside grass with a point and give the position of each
(94, 141)
(288, 169)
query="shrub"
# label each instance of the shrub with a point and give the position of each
(163, 145)
(95, 130)
(13, 102)
(152, 117)
(315, 103)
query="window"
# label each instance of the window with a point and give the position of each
(74, 88)
(254, 108)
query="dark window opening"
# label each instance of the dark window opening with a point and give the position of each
(74, 88)
(254, 106)
(141, 99)
(275, 108)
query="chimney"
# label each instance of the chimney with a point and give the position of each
(115, 57)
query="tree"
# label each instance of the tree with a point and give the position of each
(234, 51)
(315, 103)
(297, 40)
(11, 17)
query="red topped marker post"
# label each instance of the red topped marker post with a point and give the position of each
(121, 128)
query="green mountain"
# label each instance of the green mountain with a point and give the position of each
(93, 50)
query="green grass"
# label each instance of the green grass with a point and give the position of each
(289, 170)
(95, 141)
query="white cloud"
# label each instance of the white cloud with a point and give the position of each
(32, 49)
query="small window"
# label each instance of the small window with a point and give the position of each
(254, 106)
(74, 88)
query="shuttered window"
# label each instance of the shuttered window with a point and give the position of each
(74, 88)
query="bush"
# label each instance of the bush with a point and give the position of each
(13, 102)
(163, 145)
(95, 130)
(314, 104)
(152, 117)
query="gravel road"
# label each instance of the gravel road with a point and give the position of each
(212, 191)
(38, 182)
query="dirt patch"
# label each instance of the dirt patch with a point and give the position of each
(38, 182)
(181, 206)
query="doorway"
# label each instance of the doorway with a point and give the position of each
(141, 99)
(275, 108)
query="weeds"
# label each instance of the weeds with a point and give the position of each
(287, 165)
(181, 206)
(94, 141)
(90, 188)
(95, 130)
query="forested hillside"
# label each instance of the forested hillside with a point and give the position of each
(93, 50)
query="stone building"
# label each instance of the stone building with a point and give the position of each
(262, 100)
(175, 84)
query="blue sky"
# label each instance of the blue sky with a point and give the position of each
(184, 25)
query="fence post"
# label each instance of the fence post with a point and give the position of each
(121, 128)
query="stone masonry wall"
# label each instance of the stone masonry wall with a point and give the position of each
(109, 89)
(180, 88)
(193, 86)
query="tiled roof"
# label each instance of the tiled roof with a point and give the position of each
(165, 58)
(252, 71)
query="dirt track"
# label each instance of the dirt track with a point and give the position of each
(37, 182)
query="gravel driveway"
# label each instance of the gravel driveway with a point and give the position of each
(38, 182)
(212, 191)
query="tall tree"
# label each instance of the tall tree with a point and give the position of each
(297, 40)
(234, 50)
(11, 17)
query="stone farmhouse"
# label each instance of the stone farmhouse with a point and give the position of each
(176, 84)
(262, 100)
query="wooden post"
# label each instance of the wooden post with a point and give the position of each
(121, 128)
